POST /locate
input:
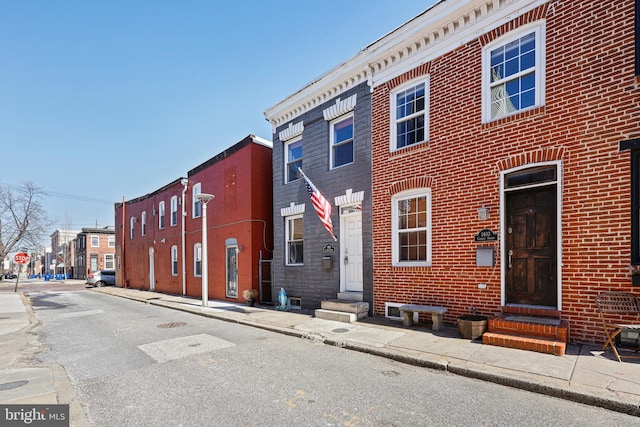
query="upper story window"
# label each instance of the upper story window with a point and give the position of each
(411, 228)
(293, 156)
(95, 241)
(342, 142)
(294, 238)
(174, 211)
(410, 114)
(132, 222)
(111, 241)
(197, 204)
(143, 225)
(161, 214)
(513, 73)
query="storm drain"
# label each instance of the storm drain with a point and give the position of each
(13, 384)
(171, 325)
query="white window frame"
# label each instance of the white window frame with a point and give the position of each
(174, 211)
(395, 231)
(196, 205)
(111, 241)
(332, 141)
(287, 240)
(97, 244)
(539, 29)
(197, 259)
(161, 215)
(174, 260)
(393, 144)
(143, 225)
(109, 261)
(286, 159)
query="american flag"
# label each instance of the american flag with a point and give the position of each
(320, 204)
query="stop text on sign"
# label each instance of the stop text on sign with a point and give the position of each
(21, 258)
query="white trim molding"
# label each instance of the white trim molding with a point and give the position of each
(292, 209)
(341, 107)
(349, 198)
(291, 132)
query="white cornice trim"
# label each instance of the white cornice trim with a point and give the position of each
(292, 209)
(291, 132)
(349, 198)
(440, 29)
(340, 107)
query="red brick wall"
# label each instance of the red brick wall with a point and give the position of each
(591, 104)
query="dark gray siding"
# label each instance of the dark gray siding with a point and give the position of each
(311, 282)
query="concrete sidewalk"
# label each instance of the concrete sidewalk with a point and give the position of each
(584, 374)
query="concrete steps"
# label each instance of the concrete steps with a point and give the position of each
(539, 333)
(342, 310)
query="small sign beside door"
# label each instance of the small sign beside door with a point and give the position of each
(485, 235)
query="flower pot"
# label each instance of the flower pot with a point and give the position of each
(251, 302)
(472, 326)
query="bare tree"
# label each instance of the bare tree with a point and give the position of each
(23, 219)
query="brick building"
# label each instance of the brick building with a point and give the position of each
(504, 135)
(159, 235)
(95, 249)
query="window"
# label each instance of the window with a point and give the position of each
(197, 204)
(144, 223)
(174, 211)
(111, 241)
(410, 115)
(342, 142)
(132, 222)
(109, 261)
(411, 228)
(197, 260)
(95, 241)
(294, 239)
(513, 74)
(174, 260)
(293, 155)
(161, 213)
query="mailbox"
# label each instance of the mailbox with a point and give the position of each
(327, 262)
(484, 256)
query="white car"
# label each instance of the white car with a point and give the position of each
(102, 278)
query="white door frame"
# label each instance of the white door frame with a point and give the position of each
(152, 275)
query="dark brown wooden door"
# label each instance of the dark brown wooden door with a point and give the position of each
(531, 256)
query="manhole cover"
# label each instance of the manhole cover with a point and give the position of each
(12, 385)
(340, 330)
(390, 373)
(171, 325)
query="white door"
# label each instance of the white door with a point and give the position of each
(351, 252)
(152, 276)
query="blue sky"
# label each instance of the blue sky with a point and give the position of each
(101, 100)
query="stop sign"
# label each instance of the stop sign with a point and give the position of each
(21, 258)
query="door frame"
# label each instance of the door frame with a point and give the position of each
(152, 269)
(503, 214)
(343, 240)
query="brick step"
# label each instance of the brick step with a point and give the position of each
(539, 327)
(525, 342)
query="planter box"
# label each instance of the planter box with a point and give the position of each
(472, 326)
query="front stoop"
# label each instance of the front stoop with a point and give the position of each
(534, 333)
(342, 311)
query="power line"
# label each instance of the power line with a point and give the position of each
(65, 195)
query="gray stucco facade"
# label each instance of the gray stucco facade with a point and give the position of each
(312, 281)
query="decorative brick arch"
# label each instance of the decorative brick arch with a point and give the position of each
(420, 70)
(411, 183)
(531, 157)
(531, 16)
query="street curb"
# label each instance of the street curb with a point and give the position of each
(398, 356)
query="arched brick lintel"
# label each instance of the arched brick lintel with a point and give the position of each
(411, 183)
(530, 157)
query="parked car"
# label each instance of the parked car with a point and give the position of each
(10, 276)
(102, 278)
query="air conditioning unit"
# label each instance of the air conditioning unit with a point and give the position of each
(628, 338)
